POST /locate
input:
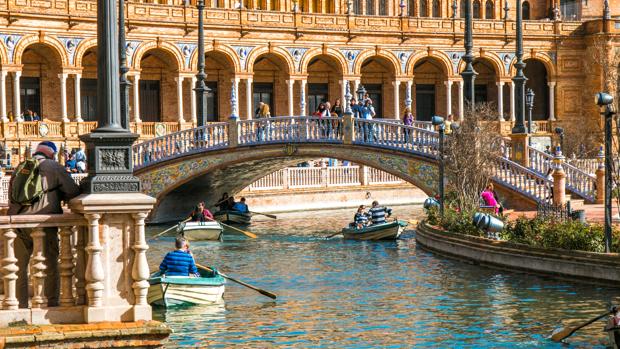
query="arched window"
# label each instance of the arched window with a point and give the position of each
(526, 10)
(370, 7)
(463, 4)
(436, 9)
(411, 7)
(383, 10)
(423, 9)
(357, 7)
(476, 9)
(489, 10)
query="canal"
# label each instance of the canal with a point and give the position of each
(348, 294)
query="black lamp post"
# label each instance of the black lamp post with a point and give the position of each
(529, 102)
(109, 145)
(469, 74)
(560, 132)
(606, 100)
(519, 79)
(438, 121)
(361, 92)
(122, 48)
(201, 88)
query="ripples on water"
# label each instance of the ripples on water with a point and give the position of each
(348, 294)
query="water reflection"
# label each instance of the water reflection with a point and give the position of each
(349, 294)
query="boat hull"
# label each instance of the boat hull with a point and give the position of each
(233, 217)
(197, 231)
(179, 291)
(386, 231)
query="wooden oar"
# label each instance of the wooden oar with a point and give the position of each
(246, 233)
(167, 230)
(331, 236)
(568, 331)
(259, 290)
(265, 214)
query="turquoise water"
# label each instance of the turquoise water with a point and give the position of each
(348, 294)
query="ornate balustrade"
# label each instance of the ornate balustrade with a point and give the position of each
(290, 129)
(523, 180)
(392, 135)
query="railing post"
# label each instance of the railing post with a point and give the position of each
(348, 128)
(285, 178)
(66, 268)
(520, 149)
(9, 269)
(38, 265)
(233, 132)
(94, 271)
(324, 179)
(559, 179)
(140, 270)
(600, 176)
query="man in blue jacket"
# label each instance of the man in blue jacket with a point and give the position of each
(179, 262)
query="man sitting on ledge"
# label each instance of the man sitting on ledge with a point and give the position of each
(38, 186)
(179, 262)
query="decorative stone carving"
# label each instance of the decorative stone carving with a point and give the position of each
(113, 159)
(130, 49)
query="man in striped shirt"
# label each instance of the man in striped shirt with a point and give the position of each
(179, 262)
(379, 213)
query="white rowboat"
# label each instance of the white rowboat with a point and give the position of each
(196, 231)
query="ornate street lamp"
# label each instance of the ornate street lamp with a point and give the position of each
(347, 97)
(519, 79)
(201, 88)
(529, 102)
(438, 121)
(124, 83)
(361, 92)
(605, 100)
(469, 74)
(560, 132)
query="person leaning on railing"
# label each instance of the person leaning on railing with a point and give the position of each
(55, 185)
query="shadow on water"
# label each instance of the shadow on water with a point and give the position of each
(334, 293)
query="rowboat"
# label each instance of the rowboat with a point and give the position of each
(233, 217)
(385, 231)
(170, 291)
(209, 230)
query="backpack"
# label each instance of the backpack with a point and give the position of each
(27, 186)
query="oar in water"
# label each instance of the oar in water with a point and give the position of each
(259, 290)
(167, 230)
(569, 330)
(331, 236)
(265, 214)
(246, 233)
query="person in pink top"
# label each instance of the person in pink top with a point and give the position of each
(489, 198)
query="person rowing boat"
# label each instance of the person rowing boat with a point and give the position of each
(201, 213)
(378, 214)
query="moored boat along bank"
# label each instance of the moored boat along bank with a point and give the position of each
(599, 268)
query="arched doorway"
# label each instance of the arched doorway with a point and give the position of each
(486, 82)
(39, 82)
(429, 78)
(324, 77)
(378, 75)
(537, 80)
(270, 77)
(88, 85)
(220, 72)
(157, 86)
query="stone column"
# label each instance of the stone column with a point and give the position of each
(291, 85)
(500, 100)
(235, 87)
(461, 101)
(17, 112)
(559, 179)
(302, 102)
(63, 97)
(3, 115)
(78, 97)
(512, 101)
(179, 81)
(356, 85)
(343, 92)
(408, 100)
(448, 97)
(248, 97)
(193, 101)
(600, 177)
(363, 175)
(136, 98)
(396, 100)
(551, 85)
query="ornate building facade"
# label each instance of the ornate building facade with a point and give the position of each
(294, 54)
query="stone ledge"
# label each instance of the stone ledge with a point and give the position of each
(590, 267)
(140, 334)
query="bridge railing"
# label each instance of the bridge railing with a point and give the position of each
(523, 180)
(395, 136)
(290, 129)
(211, 136)
(577, 180)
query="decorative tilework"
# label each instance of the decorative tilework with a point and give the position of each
(297, 53)
(187, 49)
(350, 55)
(70, 44)
(10, 40)
(403, 57)
(507, 58)
(243, 52)
(455, 58)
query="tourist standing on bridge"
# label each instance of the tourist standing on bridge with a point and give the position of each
(263, 128)
(368, 112)
(355, 108)
(407, 121)
(337, 108)
(38, 186)
(378, 214)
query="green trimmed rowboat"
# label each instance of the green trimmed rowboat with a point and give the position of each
(385, 231)
(234, 217)
(171, 291)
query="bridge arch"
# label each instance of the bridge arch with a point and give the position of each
(179, 183)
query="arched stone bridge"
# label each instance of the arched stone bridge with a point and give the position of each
(200, 164)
